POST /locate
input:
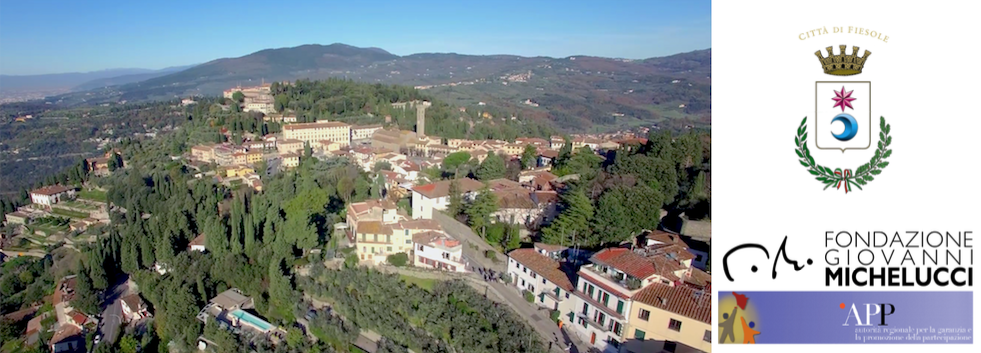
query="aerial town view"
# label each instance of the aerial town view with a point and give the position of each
(275, 195)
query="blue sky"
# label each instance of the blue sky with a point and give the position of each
(39, 36)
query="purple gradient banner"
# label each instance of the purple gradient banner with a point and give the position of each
(845, 317)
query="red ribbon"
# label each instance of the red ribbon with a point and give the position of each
(843, 178)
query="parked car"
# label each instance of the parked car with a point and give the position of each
(98, 338)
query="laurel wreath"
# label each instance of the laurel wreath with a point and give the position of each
(838, 177)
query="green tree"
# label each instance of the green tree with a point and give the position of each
(86, 298)
(455, 160)
(478, 214)
(572, 225)
(238, 97)
(491, 168)
(456, 205)
(529, 158)
(127, 344)
(398, 259)
(380, 166)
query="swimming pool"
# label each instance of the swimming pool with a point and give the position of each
(251, 319)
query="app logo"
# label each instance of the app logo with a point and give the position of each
(843, 121)
(748, 320)
(873, 311)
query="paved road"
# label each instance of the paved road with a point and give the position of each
(112, 315)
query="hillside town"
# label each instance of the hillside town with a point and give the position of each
(651, 293)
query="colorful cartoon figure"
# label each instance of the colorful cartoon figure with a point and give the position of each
(727, 326)
(749, 334)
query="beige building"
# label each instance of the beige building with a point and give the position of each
(363, 132)
(204, 153)
(289, 146)
(378, 230)
(310, 132)
(291, 160)
(669, 318)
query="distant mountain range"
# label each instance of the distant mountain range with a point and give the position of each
(578, 92)
(76, 81)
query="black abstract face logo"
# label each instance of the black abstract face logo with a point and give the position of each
(781, 253)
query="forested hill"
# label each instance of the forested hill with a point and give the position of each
(578, 93)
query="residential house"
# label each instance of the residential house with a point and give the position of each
(546, 278)
(229, 309)
(376, 240)
(291, 160)
(254, 156)
(528, 208)
(203, 153)
(289, 146)
(134, 308)
(435, 196)
(667, 318)
(198, 243)
(437, 250)
(51, 194)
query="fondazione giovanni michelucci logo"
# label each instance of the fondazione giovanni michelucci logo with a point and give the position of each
(843, 121)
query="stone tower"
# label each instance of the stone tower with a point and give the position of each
(421, 119)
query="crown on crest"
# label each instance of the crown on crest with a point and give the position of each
(841, 64)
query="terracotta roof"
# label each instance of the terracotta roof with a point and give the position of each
(66, 332)
(19, 315)
(435, 238)
(78, 317)
(626, 261)
(199, 240)
(442, 188)
(599, 283)
(301, 126)
(503, 184)
(515, 199)
(35, 324)
(373, 227)
(543, 266)
(50, 190)
(546, 197)
(66, 285)
(429, 224)
(549, 153)
(664, 237)
(680, 300)
(366, 206)
(697, 278)
(666, 267)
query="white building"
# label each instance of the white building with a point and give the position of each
(309, 132)
(51, 194)
(527, 208)
(437, 250)
(198, 244)
(363, 132)
(436, 196)
(534, 271)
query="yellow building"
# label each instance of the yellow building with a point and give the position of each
(253, 157)
(238, 170)
(239, 158)
(375, 240)
(291, 160)
(669, 318)
(311, 132)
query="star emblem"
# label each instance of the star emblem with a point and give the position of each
(843, 99)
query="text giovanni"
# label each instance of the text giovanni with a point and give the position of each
(899, 259)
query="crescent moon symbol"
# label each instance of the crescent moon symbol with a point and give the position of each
(851, 127)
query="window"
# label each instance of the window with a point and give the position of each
(617, 328)
(376, 237)
(644, 315)
(522, 282)
(406, 232)
(674, 325)
(525, 269)
(698, 258)
(589, 289)
(669, 346)
(606, 297)
(638, 334)
(389, 249)
(708, 336)
(388, 238)
(567, 295)
(420, 247)
(585, 309)
(620, 307)
(408, 241)
(533, 275)
(543, 280)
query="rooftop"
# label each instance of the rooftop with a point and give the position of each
(199, 240)
(626, 261)
(442, 188)
(680, 300)
(132, 301)
(51, 190)
(318, 125)
(230, 299)
(543, 266)
(436, 239)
